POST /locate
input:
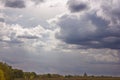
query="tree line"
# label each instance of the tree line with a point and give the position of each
(8, 73)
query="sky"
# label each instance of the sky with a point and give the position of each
(61, 36)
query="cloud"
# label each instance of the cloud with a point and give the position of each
(8, 35)
(37, 1)
(19, 3)
(28, 37)
(103, 56)
(104, 10)
(2, 20)
(14, 3)
(92, 28)
(2, 17)
(76, 5)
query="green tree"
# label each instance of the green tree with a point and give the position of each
(7, 71)
(2, 75)
(68, 76)
(29, 75)
(32, 75)
(18, 73)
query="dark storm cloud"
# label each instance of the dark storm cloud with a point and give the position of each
(97, 28)
(88, 31)
(76, 6)
(15, 3)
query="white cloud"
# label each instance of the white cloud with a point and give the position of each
(34, 37)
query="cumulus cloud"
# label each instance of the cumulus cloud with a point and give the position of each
(92, 28)
(28, 37)
(76, 5)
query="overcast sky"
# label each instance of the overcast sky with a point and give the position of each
(61, 36)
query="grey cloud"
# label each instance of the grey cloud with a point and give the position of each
(15, 3)
(97, 28)
(15, 41)
(12, 41)
(2, 20)
(28, 37)
(37, 1)
(19, 3)
(88, 31)
(76, 6)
